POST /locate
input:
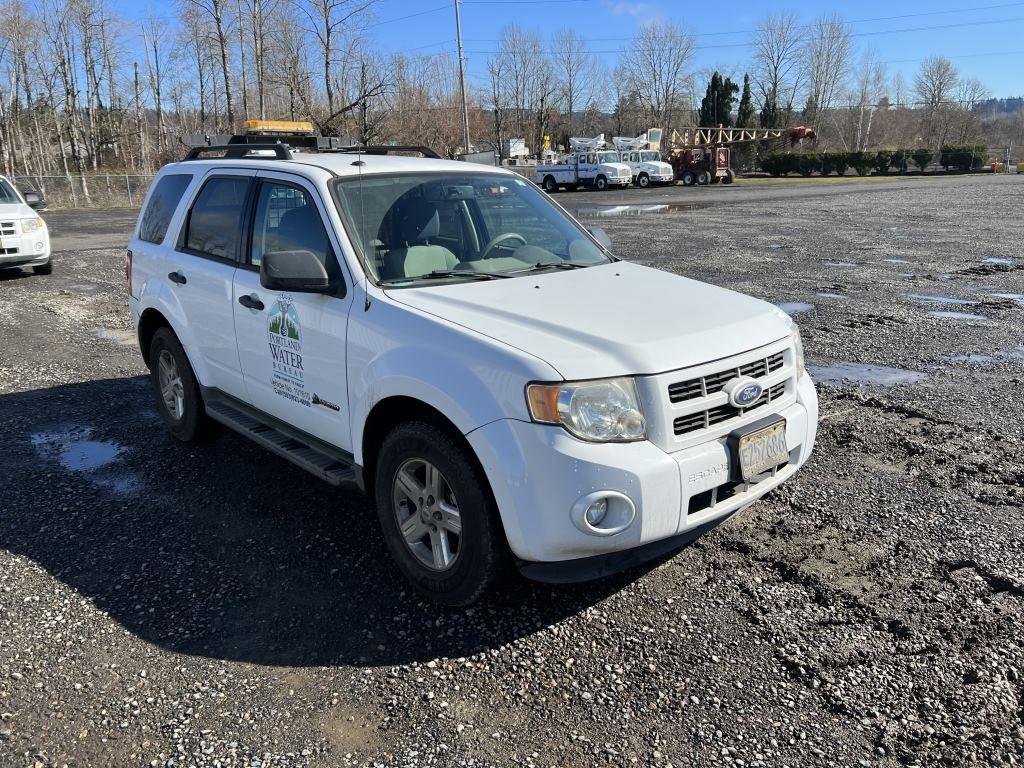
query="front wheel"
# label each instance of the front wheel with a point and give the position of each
(174, 383)
(439, 520)
(601, 183)
(549, 184)
(689, 179)
(44, 269)
(643, 181)
(704, 178)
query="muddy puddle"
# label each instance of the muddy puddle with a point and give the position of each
(98, 460)
(120, 336)
(1001, 260)
(1010, 296)
(795, 307)
(977, 358)
(843, 264)
(897, 261)
(844, 374)
(948, 315)
(930, 298)
(611, 211)
(829, 295)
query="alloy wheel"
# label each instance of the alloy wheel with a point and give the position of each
(172, 390)
(427, 514)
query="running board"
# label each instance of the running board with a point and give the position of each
(327, 463)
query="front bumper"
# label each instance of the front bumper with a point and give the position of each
(538, 473)
(25, 250)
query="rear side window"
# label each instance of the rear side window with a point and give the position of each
(214, 226)
(162, 205)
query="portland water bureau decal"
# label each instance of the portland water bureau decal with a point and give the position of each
(284, 336)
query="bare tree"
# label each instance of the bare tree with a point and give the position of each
(828, 50)
(657, 69)
(969, 93)
(576, 72)
(215, 10)
(934, 85)
(777, 64)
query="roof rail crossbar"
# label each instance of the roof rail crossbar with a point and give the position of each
(236, 151)
(387, 150)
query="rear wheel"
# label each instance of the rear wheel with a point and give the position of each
(439, 520)
(689, 179)
(549, 184)
(729, 177)
(174, 383)
(643, 180)
(601, 183)
(704, 178)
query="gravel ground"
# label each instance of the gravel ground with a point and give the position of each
(164, 605)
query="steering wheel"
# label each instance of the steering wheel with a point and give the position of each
(496, 241)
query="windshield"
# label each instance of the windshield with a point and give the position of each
(650, 156)
(7, 193)
(607, 157)
(459, 226)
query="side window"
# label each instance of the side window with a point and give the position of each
(287, 220)
(162, 205)
(214, 226)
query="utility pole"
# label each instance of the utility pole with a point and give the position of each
(462, 75)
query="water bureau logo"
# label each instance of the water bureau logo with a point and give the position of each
(284, 336)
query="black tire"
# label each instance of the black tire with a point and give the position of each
(729, 177)
(193, 423)
(703, 178)
(44, 269)
(600, 183)
(643, 181)
(689, 179)
(483, 558)
(549, 184)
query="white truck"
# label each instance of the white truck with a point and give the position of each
(644, 161)
(589, 164)
(446, 338)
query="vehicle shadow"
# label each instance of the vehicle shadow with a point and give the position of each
(14, 273)
(224, 550)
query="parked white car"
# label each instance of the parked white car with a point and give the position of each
(647, 167)
(446, 337)
(24, 238)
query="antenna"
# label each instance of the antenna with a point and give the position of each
(462, 75)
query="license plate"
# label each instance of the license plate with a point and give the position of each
(762, 449)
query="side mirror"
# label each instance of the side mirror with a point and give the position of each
(299, 271)
(601, 236)
(33, 199)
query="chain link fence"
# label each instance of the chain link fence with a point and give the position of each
(98, 190)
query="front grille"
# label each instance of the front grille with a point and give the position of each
(8, 227)
(702, 386)
(8, 251)
(692, 422)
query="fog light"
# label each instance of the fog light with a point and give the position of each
(603, 513)
(39, 246)
(597, 511)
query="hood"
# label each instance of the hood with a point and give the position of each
(656, 166)
(621, 168)
(611, 320)
(17, 211)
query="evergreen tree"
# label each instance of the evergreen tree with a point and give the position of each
(771, 115)
(745, 115)
(716, 106)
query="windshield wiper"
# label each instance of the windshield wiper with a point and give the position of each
(540, 266)
(442, 273)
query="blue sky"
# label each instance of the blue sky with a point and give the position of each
(983, 39)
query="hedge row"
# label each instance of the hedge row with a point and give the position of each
(961, 157)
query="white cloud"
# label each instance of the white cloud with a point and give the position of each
(642, 13)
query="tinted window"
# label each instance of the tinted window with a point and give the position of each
(287, 220)
(215, 221)
(162, 204)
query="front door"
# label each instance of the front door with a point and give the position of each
(292, 345)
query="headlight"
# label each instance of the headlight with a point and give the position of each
(798, 352)
(31, 225)
(603, 411)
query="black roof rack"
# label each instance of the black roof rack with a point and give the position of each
(235, 151)
(240, 145)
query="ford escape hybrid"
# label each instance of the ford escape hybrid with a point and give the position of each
(446, 337)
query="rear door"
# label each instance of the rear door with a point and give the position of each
(292, 345)
(201, 269)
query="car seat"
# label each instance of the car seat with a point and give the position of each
(415, 222)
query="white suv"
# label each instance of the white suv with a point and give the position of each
(449, 339)
(24, 239)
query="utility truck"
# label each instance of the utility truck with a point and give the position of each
(643, 157)
(589, 164)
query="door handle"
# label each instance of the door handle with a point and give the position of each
(250, 302)
(177, 277)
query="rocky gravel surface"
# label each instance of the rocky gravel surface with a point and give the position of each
(209, 605)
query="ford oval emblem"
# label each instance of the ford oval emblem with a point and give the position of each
(743, 392)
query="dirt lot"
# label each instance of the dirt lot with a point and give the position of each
(171, 605)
